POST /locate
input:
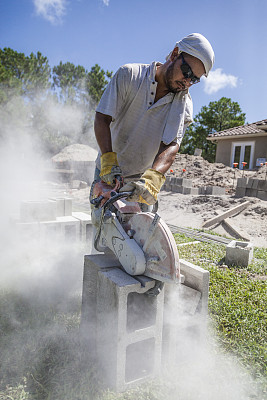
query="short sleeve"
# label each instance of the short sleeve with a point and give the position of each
(116, 92)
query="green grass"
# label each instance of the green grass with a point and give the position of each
(42, 357)
(237, 303)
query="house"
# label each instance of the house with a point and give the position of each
(246, 143)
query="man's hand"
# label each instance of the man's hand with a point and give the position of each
(110, 168)
(146, 189)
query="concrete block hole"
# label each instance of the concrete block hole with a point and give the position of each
(141, 311)
(139, 360)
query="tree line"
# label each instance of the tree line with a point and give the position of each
(33, 83)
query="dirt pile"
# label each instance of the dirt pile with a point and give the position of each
(76, 152)
(204, 173)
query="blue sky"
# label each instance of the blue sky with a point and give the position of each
(114, 32)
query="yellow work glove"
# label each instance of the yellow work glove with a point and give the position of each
(109, 167)
(147, 188)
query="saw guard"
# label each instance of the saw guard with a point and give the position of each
(160, 248)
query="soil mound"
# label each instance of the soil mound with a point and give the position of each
(204, 173)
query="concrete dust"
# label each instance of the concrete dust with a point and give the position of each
(191, 211)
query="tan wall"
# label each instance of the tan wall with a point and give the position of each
(224, 149)
(223, 152)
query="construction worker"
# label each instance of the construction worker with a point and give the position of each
(143, 114)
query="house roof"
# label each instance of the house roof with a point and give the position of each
(256, 128)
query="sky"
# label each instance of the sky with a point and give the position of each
(115, 32)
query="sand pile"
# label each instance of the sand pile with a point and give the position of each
(204, 173)
(76, 152)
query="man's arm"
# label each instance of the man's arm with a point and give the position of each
(165, 157)
(102, 132)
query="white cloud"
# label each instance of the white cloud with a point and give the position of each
(106, 2)
(51, 10)
(218, 80)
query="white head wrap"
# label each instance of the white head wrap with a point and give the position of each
(198, 46)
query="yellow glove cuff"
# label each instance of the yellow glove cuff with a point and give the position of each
(153, 181)
(108, 160)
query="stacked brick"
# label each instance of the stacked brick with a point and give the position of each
(184, 186)
(252, 188)
(53, 218)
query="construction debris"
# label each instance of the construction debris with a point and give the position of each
(219, 218)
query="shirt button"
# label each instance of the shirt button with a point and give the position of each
(150, 103)
(152, 93)
(153, 83)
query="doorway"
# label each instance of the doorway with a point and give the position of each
(243, 152)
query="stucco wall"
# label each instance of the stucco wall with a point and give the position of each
(224, 149)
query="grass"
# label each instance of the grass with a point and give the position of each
(42, 357)
(237, 303)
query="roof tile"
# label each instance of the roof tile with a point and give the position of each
(256, 127)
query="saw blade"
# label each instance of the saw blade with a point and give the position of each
(155, 238)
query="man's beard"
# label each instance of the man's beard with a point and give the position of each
(169, 78)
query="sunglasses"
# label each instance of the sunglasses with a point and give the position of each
(187, 71)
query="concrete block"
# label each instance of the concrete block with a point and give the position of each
(202, 190)
(67, 206)
(129, 329)
(185, 309)
(60, 206)
(176, 188)
(86, 227)
(262, 195)
(262, 185)
(242, 182)
(194, 191)
(36, 211)
(121, 325)
(240, 191)
(239, 253)
(69, 228)
(252, 183)
(251, 192)
(183, 182)
(51, 231)
(197, 278)
(27, 230)
(215, 190)
(197, 152)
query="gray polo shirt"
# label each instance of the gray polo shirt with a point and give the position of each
(138, 124)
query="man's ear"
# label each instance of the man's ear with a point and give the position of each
(174, 53)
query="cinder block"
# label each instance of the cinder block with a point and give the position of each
(120, 323)
(60, 206)
(251, 192)
(239, 253)
(215, 190)
(242, 182)
(255, 183)
(176, 188)
(187, 190)
(70, 228)
(194, 191)
(183, 182)
(202, 190)
(129, 329)
(262, 195)
(36, 211)
(251, 184)
(262, 185)
(86, 227)
(240, 191)
(67, 206)
(50, 231)
(185, 309)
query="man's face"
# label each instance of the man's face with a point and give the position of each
(174, 78)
